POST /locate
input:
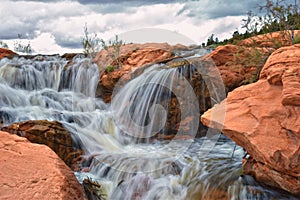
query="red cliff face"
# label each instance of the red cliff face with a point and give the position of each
(33, 171)
(264, 118)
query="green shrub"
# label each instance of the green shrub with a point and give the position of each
(3, 45)
(135, 49)
(113, 48)
(248, 57)
(19, 46)
(109, 69)
(90, 42)
(297, 39)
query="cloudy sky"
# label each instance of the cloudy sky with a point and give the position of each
(56, 26)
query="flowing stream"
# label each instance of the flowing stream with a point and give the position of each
(129, 163)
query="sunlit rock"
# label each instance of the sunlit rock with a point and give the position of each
(33, 171)
(263, 118)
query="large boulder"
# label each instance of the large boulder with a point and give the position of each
(263, 118)
(33, 171)
(52, 134)
(6, 53)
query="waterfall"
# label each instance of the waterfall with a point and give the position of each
(128, 159)
(147, 100)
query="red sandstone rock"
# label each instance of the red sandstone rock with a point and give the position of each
(33, 171)
(291, 87)
(6, 52)
(238, 64)
(52, 134)
(281, 60)
(131, 56)
(265, 174)
(283, 69)
(264, 118)
(274, 40)
(135, 52)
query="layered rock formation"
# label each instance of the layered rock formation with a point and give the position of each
(6, 53)
(52, 134)
(33, 171)
(263, 117)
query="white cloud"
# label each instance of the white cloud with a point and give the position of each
(59, 24)
(155, 35)
(45, 43)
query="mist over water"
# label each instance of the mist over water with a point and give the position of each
(128, 163)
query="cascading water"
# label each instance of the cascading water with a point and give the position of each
(128, 161)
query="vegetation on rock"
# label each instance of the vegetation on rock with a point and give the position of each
(22, 48)
(3, 45)
(91, 44)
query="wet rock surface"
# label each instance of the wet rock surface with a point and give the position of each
(201, 77)
(52, 134)
(135, 59)
(131, 56)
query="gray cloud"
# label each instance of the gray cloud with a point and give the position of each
(117, 6)
(219, 8)
(27, 18)
(131, 2)
(44, 1)
(68, 42)
(128, 2)
(11, 32)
